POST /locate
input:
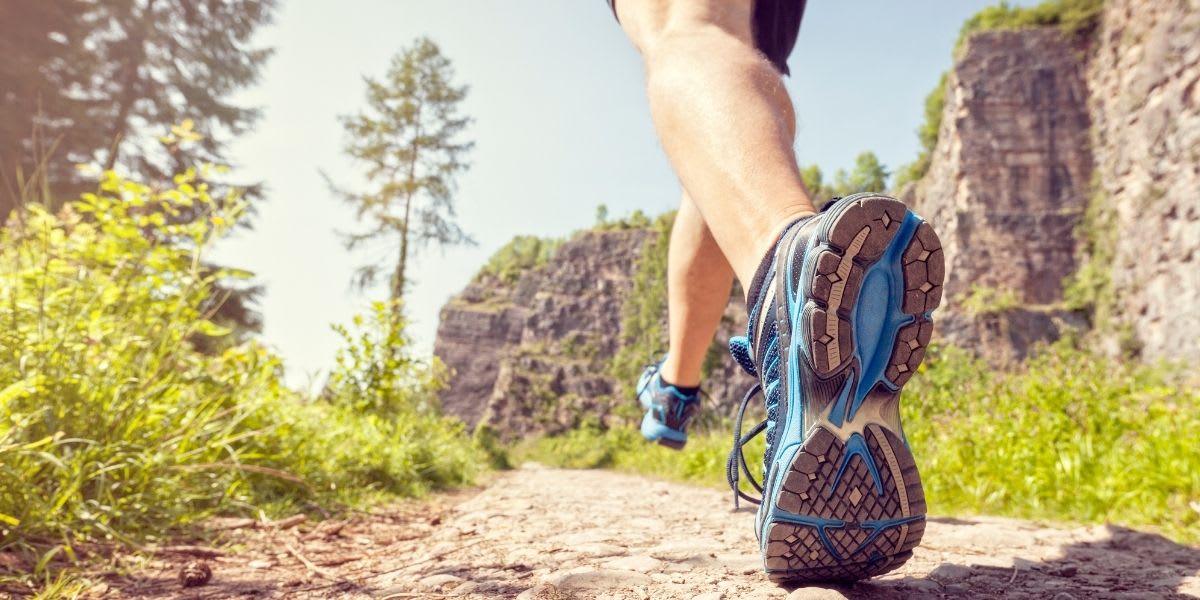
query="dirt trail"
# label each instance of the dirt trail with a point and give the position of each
(541, 533)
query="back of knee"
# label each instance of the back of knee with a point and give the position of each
(656, 25)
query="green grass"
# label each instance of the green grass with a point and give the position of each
(1070, 437)
(117, 427)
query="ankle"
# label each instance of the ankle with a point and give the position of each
(672, 374)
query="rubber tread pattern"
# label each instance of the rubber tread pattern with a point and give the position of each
(829, 521)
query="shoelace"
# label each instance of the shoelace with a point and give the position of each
(736, 464)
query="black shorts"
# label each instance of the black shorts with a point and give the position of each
(776, 25)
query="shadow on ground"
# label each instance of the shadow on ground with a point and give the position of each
(1127, 564)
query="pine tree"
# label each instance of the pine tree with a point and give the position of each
(99, 82)
(408, 142)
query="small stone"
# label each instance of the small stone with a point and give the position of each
(597, 550)
(598, 579)
(195, 573)
(710, 596)
(949, 572)
(539, 592)
(641, 564)
(260, 564)
(464, 589)
(816, 593)
(922, 585)
(438, 582)
(1067, 571)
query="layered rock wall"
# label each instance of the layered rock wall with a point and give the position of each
(1006, 187)
(535, 356)
(1145, 100)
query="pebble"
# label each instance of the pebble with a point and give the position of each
(1067, 571)
(544, 590)
(949, 572)
(598, 550)
(816, 593)
(598, 579)
(437, 582)
(260, 564)
(464, 589)
(710, 596)
(922, 585)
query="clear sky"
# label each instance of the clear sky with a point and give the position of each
(561, 126)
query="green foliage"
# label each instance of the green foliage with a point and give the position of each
(983, 300)
(523, 253)
(1072, 16)
(114, 427)
(643, 321)
(636, 220)
(868, 175)
(1071, 436)
(601, 215)
(1089, 289)
(409, 142)
(95, 81)
(111, 419)
(927, 134)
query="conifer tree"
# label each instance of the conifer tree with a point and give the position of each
(408, 142)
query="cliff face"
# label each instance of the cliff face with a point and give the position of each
(529, 356)
(1145, 83)
(1006, 187)
(534, 356)
(1057, 154)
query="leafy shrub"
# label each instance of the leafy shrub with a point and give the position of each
(113, 426)
(1072, 16)
(523, 253)
(644, 313)
(927, 134)
(1071, 435)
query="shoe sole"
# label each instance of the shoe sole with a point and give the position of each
(848, 503)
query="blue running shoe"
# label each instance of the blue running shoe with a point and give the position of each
(841, 322)
(668, 410)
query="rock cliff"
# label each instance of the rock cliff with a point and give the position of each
(1065, 185)
(1144, 78)
(536, 356)
(530, 355)
(1006, 187)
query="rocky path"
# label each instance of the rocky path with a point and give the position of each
(538, 533)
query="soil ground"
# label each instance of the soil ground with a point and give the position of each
(540, 533)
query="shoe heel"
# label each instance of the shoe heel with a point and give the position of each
(845, 509)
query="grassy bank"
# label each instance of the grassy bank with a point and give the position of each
(127, 413)
(1070, 437)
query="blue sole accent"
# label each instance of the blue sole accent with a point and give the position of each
(818, 523)
(870, 327)
(856, 446)
(653, 431)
